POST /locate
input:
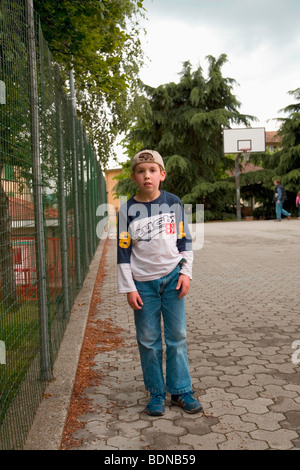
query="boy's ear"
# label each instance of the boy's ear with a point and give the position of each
(163, 175)
(132, 177)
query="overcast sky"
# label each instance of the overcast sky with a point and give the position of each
(261, 39)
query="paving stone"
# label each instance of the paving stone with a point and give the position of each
(292, 420)
(199, 427)
(132, 429)
(280, 439)
(130, 443)
(164, 426)
(168, 442)
(285, 404)
(229, 423)
(256, 405)
(238, 440)
(267, 421)
(206, 442)
(219, 408)
(239, 381)
(240, 332)
(249, 391)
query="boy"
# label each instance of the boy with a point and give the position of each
(154, 269)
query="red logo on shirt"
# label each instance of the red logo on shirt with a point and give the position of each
(170, 228)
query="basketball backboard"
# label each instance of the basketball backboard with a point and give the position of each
(248, 139)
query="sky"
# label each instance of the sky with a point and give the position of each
(261, 39)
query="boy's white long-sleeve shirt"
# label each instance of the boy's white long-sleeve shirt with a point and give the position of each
(153, 237)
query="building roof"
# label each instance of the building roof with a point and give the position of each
(272, 137)
(20, 209)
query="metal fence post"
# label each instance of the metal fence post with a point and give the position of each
(62, 195)
(46, 370)
(75, 180)
(237, 188)
(85, 228)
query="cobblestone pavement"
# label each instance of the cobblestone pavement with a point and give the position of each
(242, 321)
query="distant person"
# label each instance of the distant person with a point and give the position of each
(298, 204)
(279, 198)
(154, 269)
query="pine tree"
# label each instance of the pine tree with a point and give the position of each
(184, 122)
(283, 164)
(288, 166)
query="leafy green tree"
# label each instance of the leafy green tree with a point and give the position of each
(184, 122)
(99, 39)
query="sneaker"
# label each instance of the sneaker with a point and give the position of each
(156, 406)
(187, 402)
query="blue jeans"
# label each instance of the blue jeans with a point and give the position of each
(160, 297)
(280, 210)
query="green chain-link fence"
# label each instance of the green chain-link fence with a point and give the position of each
(50, 187)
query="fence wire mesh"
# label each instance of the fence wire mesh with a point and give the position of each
(50, 187)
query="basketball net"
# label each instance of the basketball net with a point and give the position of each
(246, 155)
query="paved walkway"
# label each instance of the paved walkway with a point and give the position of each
(243, 320)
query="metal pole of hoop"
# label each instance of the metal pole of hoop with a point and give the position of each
(246, 155)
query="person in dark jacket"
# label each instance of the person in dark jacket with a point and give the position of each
(279, 198)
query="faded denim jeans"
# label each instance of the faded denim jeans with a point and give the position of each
(160, 300)
(280, 210)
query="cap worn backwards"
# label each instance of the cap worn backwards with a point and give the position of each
(147, 156)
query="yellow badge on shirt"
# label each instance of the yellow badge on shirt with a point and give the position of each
(181, 230)
(124, 240)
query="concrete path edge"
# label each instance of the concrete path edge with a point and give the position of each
(49, 421)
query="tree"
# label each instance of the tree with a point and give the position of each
(288, 163)
(283, 164)
(99, 39)
(184, 122)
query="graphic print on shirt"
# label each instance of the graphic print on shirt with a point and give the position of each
(152, 239)
(153, 227)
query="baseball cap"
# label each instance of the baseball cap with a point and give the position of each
(147, 156)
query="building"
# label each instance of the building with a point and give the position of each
(112, 199)
(273, 141)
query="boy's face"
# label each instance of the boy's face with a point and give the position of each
(148, 177)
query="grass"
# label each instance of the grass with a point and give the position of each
(19, 330)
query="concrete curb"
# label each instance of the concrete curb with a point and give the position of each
(46, 431)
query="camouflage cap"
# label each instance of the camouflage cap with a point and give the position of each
(147, 156)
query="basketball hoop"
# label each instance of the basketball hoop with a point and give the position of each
(246, 155)
(243, 142)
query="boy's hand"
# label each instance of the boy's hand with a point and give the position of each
(134, 300)
(184, 284)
